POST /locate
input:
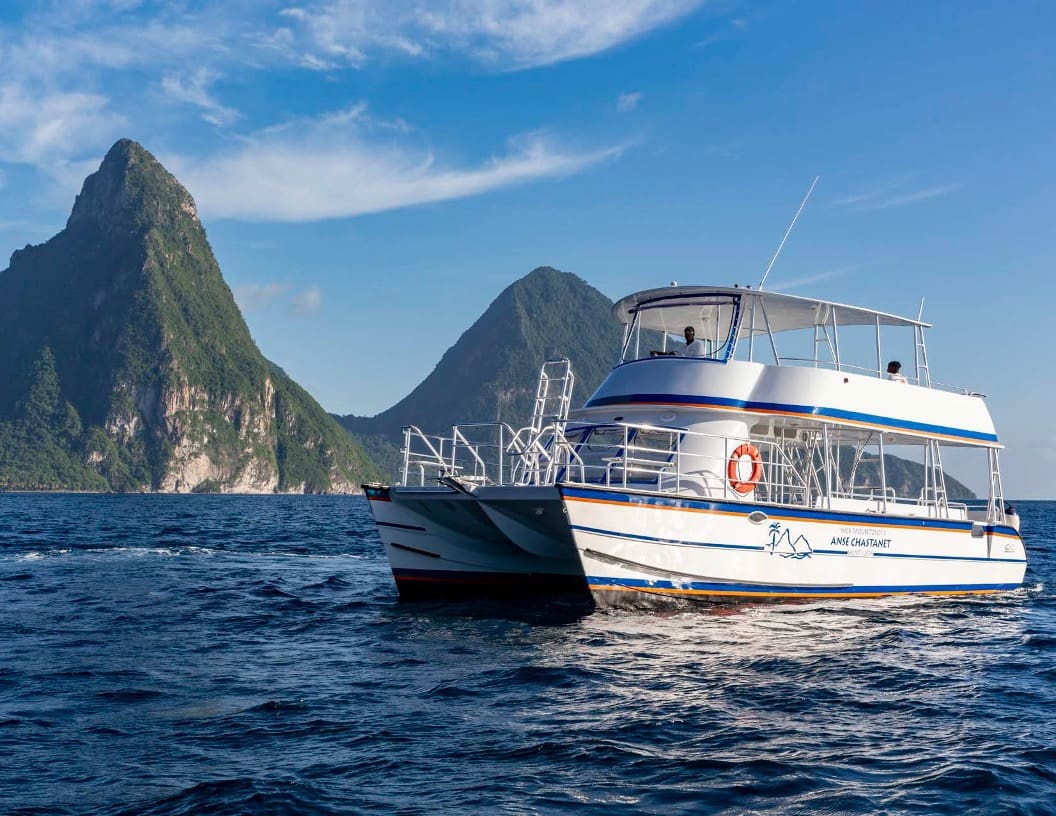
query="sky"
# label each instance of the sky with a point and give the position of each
(373, 173)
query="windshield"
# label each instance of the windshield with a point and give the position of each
(700, 326)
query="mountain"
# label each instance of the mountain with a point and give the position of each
(491, 372)
(126, 364)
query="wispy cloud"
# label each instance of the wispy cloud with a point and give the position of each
(76, 76)
(336, 166)
(799, 283)
(307, 302)
(253, 296)
(914, 196)
(194, 90)
(725, 29)
(502, 33)
(629, 101)
(40, 128)
(893, 194)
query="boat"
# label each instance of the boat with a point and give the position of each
(752, 460)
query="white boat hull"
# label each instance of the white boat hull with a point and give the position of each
(445, 542)
(636, 548)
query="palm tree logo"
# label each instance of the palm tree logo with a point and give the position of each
(781, 543)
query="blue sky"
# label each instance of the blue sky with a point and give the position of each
(372, 173)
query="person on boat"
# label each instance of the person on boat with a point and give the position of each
(694, 347)
(893, 369)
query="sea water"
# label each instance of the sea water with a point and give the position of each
(217, 654)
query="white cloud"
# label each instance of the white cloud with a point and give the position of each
(41, 128)
(503, 33)
(913, 196)
(64, 41)
(194, 89)
(253, 296)
(893, 194)
(307, 302)
(335, 166)
(629, 101)
(798, 283)
(75, 75)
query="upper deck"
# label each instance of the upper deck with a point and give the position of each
(770, 327)
(803, 360)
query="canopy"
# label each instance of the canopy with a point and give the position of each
(783, 312)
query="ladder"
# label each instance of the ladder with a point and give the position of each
(553, 395)
(546, 431)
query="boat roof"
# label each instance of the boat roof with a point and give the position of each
(784, 312)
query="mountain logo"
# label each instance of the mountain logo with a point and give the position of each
(781, 542)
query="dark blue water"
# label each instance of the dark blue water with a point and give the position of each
(210, 654)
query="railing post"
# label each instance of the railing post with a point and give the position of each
(405, 470)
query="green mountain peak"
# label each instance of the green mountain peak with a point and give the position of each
(131, 191)
(491, 372)
(150, 349)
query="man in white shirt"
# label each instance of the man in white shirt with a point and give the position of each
(893, 369)
(694, 347)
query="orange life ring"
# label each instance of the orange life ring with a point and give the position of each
(733, 469)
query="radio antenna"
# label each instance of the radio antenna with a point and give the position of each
(789, 230)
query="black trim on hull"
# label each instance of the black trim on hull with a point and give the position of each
(417, 584)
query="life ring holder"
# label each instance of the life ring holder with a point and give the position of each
(733, 468)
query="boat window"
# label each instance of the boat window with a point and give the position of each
(658, 329)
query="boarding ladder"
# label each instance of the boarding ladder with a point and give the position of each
(553, 401)
(553, 395)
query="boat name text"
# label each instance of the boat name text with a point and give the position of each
(860, 541)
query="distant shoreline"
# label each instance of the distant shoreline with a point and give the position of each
(30, 492)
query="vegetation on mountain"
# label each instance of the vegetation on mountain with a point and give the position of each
(492, 370)
(311, 445)
(155, 382)
(905, 476)
(43, 445)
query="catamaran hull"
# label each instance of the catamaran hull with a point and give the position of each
(638, 549)
(446, 542)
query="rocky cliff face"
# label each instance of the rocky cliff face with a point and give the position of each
(151, 353)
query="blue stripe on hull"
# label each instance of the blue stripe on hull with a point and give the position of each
(602, 583)
(774, 511)
(705, 402)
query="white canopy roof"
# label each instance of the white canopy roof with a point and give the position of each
(784, 312)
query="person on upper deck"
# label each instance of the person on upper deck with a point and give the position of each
(694, 347)
(893, 369)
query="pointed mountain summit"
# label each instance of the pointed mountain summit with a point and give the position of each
(150, 378)
(491, 372)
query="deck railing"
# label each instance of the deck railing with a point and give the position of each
(656, 459)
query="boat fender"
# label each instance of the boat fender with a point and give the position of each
(733, 469)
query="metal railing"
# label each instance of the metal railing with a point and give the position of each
(489, 453)
(654, 459)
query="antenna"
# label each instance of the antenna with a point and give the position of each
(920, 314)
(782, 244)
